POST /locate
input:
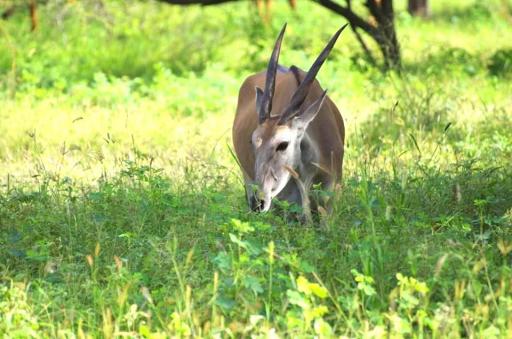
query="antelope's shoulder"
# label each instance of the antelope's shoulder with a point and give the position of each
(252, 81)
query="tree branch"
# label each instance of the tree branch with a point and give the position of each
(196, 2)
(359, 38)
(352, 18)
(366, 50)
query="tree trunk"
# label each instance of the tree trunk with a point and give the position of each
(418, 8)
(388, 44)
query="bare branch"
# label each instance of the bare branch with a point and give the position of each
(359, 38)
(366, 50)
(352, 17)
(196, 2)
(382, 31)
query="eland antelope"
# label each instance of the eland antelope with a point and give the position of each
(289, 136)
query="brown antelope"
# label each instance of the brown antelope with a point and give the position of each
(288, 136)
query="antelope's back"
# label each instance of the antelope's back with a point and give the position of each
(327, 129)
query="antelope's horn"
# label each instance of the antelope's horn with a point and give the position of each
(302, 91)
(270, 82)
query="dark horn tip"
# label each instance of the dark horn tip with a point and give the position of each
(282, 30)
(338, 32)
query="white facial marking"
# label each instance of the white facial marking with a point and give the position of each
(282, 134)
(278, 151)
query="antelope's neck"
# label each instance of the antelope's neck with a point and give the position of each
(308, 154)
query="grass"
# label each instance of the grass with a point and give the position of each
(122, 210)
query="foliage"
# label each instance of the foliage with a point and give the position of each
(501, 63)
(122, 211)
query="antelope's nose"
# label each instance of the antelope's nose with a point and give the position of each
(261, 205)
(263, 201)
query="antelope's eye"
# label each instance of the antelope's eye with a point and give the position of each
(282, 146)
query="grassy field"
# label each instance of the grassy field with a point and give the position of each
(122, 212)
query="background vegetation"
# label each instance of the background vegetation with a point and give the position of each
(122, 211)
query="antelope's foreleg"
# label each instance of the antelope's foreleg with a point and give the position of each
(304, 194)
(303, 187)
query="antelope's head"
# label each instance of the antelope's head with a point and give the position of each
(277, 139)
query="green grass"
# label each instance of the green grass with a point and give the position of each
(122, 212)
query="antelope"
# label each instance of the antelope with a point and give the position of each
(289, 136)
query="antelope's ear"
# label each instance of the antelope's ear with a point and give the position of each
(303, 119)
(259, 102)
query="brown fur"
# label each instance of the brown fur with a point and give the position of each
(327, 129)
